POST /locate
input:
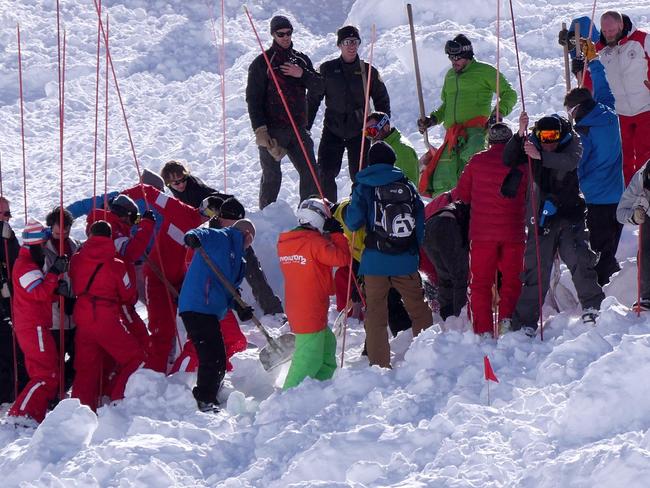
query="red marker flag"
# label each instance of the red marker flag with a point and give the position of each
(489, 372)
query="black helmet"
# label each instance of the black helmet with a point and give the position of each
(124, 206)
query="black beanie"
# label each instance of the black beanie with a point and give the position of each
(499, 133)
(464, 41)
(549, 122)
(280, 22)
(347, 32)
(381, 153)
(232, 209)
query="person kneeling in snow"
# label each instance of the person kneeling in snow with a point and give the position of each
(307, 255)
(633, 209)
(34, 293)
(102, 284)
(203, 301)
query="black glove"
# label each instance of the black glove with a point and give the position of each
(244, 313)
(563, 37)
(62, 288)
(577, 65)
(60, 265)
(149, 215)
(68, 305)
(192, 241)
(332, 226)
(425, 123)
(511, 183)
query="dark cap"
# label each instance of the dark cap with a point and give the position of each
(381, 153)
(499, 133)
(280, 22)
(346, 32)
(232, 209)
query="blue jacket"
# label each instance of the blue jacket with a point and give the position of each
(600, 170)
(361, 212)
(202, 291)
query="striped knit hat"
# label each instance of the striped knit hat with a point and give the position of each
(34, 233)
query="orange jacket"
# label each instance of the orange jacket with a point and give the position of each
(306, 261)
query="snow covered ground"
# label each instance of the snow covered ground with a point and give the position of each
(572, 410)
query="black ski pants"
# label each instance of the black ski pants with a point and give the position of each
(260, 287)
(604, 234)
(204, 331)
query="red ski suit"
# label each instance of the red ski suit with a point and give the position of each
(168, 256)
(496, 234)
(32, 308)
(102, 285)
(130, 248)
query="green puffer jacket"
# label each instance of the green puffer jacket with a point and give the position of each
(468, 94)
(407, 158)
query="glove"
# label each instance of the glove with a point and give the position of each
(425, 123)
(276, 151)
(511, 183)
(577, 66)
(60, 265)
(588, 49)
(244, 313)
(563, 37)
(192, 241)
(548, 210)
(262, 137)
(332, 226)
(638, 216)
(62, 288)
(149, 215)
(6, 232)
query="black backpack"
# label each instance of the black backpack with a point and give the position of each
(393, 229)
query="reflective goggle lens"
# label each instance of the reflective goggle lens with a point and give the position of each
(548, 136)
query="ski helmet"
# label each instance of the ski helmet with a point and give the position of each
(124, 206)
(312, 212)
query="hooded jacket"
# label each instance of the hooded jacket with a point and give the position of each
(627, 65)
(600, 170)
(99, 300)
(493, 217)
(344, 95)
(468, 94)
(361, 213)
(264, 104)
(202, 291)
(555, 175)
(306, 260)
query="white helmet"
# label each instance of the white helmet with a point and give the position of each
(313, 212)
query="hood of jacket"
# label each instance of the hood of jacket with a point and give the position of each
(379, 174)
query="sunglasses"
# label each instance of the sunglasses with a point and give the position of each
(454, 57)
(282, 34)
(455, 48)
(351, 42)
(177, 182)
(548, 136)
(373, 130)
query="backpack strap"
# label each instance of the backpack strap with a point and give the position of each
(92, 278)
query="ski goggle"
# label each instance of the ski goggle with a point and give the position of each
(453, 48)
(208, 212)
(351, 41)
(282, 34)
(373, 130)
(548, 136)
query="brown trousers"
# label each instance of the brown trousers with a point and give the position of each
(376, 288)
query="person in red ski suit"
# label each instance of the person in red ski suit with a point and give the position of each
(34, 293)
(122, 215)
(496, 232)
(166, 259)
(102, 285)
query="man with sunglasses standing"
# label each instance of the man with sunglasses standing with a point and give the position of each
(555, 151)
(274, 134)
(344, 86)
(466, 113)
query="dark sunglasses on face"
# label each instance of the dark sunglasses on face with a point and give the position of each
(177, 182)
(282, 34)
(454, 57)
(350, 42)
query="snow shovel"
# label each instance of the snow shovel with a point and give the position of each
(278, 351)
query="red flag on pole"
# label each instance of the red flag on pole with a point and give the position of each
(489, 372)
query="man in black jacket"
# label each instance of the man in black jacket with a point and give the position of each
(183, 185)
(274, 134)
(344, 86)
(555, 151)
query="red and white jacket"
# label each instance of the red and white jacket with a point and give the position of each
(627, 65)
(33, 293)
